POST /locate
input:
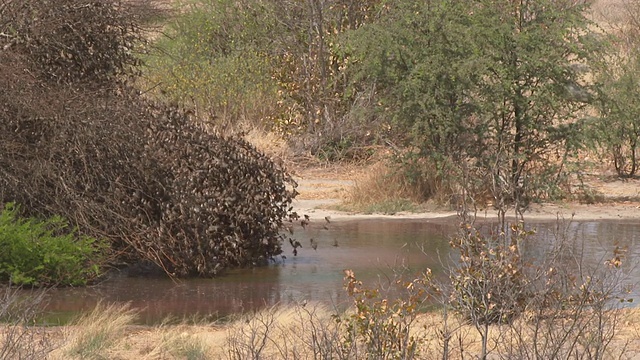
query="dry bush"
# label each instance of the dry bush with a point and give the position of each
(72, 41)
(548, 305)
(308, 331)
(19, 338)
(144, 177)
(81, 144)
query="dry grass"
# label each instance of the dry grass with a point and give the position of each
(96, 333)
(384, 189)
(269, 143)
(297, 332)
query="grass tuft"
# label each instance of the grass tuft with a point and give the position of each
(98, 332)
(386, 189)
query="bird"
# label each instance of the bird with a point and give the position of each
(290, 228)
(295, 252)
(304, 223)
(327, 219)
(295, 243)
(306, 217)
(314, 244)
(335, 242)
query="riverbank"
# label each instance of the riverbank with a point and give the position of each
(304, 332)
(112, 333)
(322, 190)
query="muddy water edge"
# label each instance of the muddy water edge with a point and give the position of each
(374, 249)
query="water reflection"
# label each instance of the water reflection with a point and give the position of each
(371, 248)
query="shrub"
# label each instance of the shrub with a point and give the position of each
(19, 340)
(220, 203)
(45, 253)
(72, 41)
(211, 60)
(489, 286)
(120, 167)
(384, 325)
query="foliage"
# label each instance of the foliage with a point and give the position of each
(616, 129)
(133, 171)
(72, 41)
(46, 253)
(273, 64)
(484, 85)
(383, 325)
(489, 286)
(214, 60)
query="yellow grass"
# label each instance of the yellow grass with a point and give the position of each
(269, 143)
(385, 189)
(294, 332)
(95, 333)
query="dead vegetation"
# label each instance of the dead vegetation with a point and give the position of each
(79, 142)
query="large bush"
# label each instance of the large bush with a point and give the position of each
(140, 174)
(71, 41)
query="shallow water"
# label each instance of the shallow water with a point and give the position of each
(372, 248)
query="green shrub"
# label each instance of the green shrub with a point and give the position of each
(45, 252)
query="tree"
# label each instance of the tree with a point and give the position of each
(616, 130)
(533, 93)
(492, 88)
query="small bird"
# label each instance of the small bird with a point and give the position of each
(306, 217)
(304, 223)
(295, 243)
(314, 244)
(295, 252)
(327, 219)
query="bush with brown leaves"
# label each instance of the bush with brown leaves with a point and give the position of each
(78, 142)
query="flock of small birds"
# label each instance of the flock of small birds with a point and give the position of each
(304, 222)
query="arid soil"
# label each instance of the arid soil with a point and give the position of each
(321, 188)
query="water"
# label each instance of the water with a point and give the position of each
(371, 248)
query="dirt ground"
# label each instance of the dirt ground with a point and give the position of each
(321, 188)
